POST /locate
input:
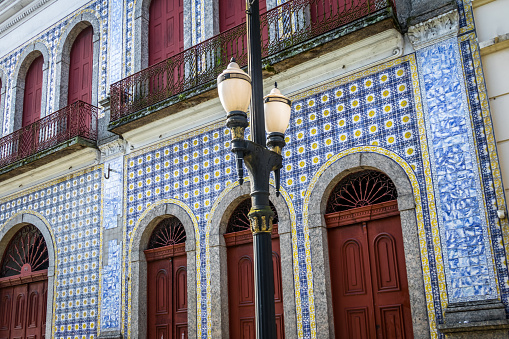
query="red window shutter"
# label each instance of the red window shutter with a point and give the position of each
(233, 13)
(33, 92)
(80, 68)
(166, 29)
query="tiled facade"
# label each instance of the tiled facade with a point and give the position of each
(426, 110)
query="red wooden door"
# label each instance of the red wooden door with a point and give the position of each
(167, 292)
(368, 273)
(241, 284)
(23, 310)
(233, 13)
(33, 92)
(166, 29)
(80, 68)
(23, 305)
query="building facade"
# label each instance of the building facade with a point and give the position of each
(121, 215)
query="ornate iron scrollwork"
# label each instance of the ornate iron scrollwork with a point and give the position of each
(169, 231)
(361, 189)
(27, 250)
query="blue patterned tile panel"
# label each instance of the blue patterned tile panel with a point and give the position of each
(462, 217)
(111, 282)
(113, 192)
(116, 40)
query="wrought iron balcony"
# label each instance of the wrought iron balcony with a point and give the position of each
(78, 120)
(287, 26)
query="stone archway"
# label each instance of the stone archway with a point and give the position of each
(71, 32)
(218, 221)
(10, 228)
(138, 264)
(29, 54)
(319, 247)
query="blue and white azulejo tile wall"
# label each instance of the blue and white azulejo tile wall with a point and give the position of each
(71, 207)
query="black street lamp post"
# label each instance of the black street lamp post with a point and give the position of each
(234, 87)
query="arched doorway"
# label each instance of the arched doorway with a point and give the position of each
(167, 281)
(24, 285)
(368, 275)
(239, 252)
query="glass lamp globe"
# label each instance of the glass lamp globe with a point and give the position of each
(277, 111)
(234, 87)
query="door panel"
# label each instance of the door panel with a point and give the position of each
(241, 300)
(166, 34)
(349, 267)
(233, 13)
(80, 68)
(19, 311)
(5, 311)
(389, 276)
(357, 322)
(33, 92)
(368, 277)
(167, 295)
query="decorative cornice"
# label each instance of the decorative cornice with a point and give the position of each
(112, 148)
(434, 30)
(18, 15)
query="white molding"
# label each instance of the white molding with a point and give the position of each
(112, 149)
(16, 11)
(66, 165)
(434, 30)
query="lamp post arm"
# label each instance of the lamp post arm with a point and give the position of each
(260, 161)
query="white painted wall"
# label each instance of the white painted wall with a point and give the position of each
(35, 22)
(492, 24)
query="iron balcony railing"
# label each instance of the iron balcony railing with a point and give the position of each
(282, 27)
(75, 120)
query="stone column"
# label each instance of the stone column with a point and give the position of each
(112, 157)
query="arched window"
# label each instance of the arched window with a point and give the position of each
(361, 189)
(80, 68)
(33, 92)
(26, 252)
(166, 29)
(241, 303)
(167, 280)
(366, 257)
(24, 291)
